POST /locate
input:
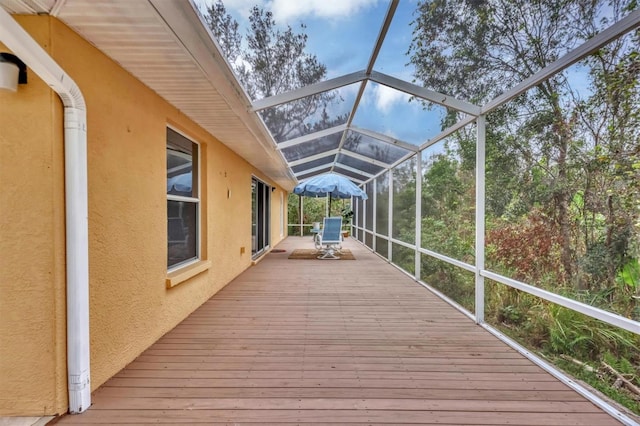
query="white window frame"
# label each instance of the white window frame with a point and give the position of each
(196, 200)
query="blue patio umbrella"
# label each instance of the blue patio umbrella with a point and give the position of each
(329, 184)
(332, 184)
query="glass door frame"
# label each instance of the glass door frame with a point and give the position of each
(260, 217)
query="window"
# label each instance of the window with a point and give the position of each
(260, 229)
(183, 201)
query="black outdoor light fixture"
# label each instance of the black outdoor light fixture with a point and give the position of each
(12, 72)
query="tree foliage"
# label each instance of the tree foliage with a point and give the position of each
(269, 61)
(550, 143)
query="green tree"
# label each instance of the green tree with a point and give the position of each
(608, 207)
(475, 49)
(270, 61)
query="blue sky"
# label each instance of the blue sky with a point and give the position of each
(342, 34)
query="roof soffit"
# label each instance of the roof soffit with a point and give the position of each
(166, 46)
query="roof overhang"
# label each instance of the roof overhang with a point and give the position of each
(167, 47)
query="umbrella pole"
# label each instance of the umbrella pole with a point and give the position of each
(300, 216)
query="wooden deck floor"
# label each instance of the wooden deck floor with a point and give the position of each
(333, 342)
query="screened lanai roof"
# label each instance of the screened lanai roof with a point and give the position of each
(367, 114)
(370, 113)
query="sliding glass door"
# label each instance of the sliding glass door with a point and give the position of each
(260, 202)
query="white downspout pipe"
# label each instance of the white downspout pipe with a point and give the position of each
(77, 236)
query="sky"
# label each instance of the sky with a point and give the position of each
(342, 34)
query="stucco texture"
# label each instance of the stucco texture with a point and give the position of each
(32, 292)
(130, 306)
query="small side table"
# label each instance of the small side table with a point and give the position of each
(316, 237)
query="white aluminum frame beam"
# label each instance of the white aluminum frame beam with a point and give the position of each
(354, 170)
(309, 175)
(326, 166)
(480, 217)
(460, 264)
(583, 308)
(397, 163)
(314, 157)
(626, 24)
(447, 132)
(390, 213)
(313, 169)
(312, 136)
(384, 138)
(358, 181)
(310, 90)
(374, 225)
(365, 158)
(421, 92)
(355, 180)
(393, 5)
(418, 214)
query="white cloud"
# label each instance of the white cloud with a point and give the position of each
(385, 97)
(241, 7)
(287, 10)
(349, 92)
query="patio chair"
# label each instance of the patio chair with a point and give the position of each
(330, 238)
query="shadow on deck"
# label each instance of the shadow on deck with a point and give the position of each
(311, 341)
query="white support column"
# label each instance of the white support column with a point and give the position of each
(364, 216)
(352, 208)
(480, 216)
(374, 226)
(418, 239)
(390, 245)
(355, 208)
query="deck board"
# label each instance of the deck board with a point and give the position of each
(333, 342)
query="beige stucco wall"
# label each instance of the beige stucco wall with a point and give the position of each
(276, 228)
(32, 304)
(130, 306)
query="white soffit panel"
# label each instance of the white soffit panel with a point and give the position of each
(27, 7)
